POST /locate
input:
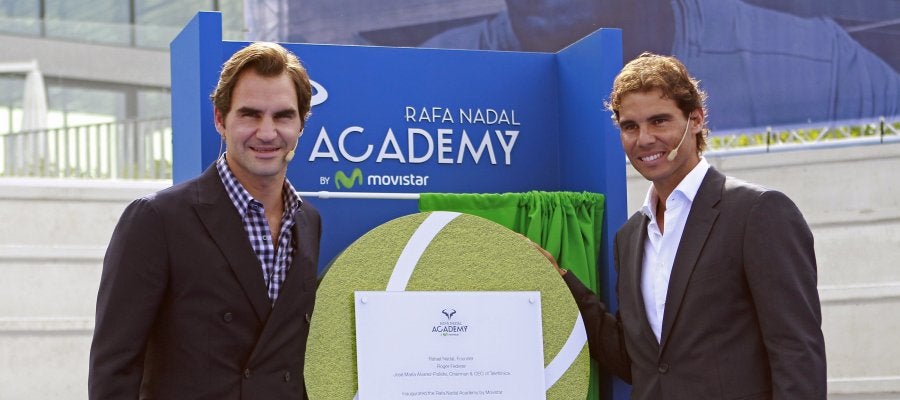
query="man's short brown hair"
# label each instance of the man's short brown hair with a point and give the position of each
(652, 71)
(266, 59)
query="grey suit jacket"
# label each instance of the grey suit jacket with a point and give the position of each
(742, 316)
(182, 310)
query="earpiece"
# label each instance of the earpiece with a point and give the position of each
(290, 155)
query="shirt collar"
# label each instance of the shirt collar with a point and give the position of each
(292, 200)
(688, 188)
(241, 198)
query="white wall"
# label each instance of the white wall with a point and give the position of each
(54, 233)
(89, 62)
(52, 239)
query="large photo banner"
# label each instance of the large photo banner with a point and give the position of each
(763, 62)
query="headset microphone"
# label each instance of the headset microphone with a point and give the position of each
(290, 155)
(674, 151)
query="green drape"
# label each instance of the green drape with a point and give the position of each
(566, 224)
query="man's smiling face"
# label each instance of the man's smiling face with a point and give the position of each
(651, 126)
(262, 126)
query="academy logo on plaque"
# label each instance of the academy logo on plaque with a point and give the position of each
(449, 312)
(449, 327)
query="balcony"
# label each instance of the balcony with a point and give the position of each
(128, 149)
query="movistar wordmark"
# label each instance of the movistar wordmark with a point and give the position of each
(356, 178)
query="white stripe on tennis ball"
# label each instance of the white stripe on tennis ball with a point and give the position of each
(566, 355)
(416, 245)
(414, 249)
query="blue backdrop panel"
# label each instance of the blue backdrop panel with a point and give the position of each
(592, 156)
(195, 66)
(404, 120)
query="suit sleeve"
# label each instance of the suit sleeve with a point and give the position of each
(132, 286)
(606, 339)
(780, 265)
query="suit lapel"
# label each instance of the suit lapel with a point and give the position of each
(635, 266)
(222, 222)
(298, 274)
(306, 252)
(699, 223)
(300, 278)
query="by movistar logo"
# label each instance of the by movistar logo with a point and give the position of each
(344, 181)
(340, 178)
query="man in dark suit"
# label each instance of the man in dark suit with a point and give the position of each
(716, 277)
(208, 286)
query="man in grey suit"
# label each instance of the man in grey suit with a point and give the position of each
(716, 277)
(208, 286)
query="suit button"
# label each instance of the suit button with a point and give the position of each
(287, 376)
(227, 317)
(663, 368)
(247, 373)
(307, 317)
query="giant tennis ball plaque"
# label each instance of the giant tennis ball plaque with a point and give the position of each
(440, 251)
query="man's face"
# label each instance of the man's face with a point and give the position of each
(263, 125)
(651, 126)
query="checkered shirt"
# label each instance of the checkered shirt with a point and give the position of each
(275, 262)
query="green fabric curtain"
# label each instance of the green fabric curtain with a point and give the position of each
(566, 224)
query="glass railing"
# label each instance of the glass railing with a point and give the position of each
(129, 149)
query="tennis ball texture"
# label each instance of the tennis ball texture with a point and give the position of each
(469, 254)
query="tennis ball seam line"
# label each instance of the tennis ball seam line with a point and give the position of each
(415, 247)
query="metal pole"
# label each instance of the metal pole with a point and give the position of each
(360, 195)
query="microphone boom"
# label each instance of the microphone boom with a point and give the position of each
(672, 154)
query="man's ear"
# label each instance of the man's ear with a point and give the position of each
(219, 121)
(697, 117)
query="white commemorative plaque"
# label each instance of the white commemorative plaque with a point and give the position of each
(449, 345)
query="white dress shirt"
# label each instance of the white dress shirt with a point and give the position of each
(660, 247)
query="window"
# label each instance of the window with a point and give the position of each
(22, 17)
(100, 21)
